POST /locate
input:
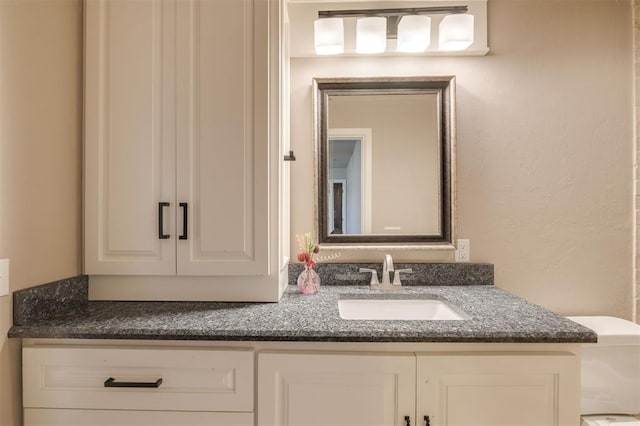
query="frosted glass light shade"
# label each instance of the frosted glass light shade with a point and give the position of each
(371, 35)
(414, 33)
(456, 32)
(328, 36)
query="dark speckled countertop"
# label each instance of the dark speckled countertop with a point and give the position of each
(496, 316)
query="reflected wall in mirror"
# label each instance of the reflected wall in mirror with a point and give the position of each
(385, 160)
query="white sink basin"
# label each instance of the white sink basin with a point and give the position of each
(399, 309)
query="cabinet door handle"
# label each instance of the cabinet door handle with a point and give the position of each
(161, 234)
(427, 422)
(111, 383)
(407, 421)
(185, 221)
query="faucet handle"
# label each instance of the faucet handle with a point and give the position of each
(374, 275)
(396, 275)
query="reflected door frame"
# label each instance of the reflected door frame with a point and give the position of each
(364, 135)
(331, 213)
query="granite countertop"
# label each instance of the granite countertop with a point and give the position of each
(496, 316)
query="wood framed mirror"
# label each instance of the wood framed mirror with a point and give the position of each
(385, 160)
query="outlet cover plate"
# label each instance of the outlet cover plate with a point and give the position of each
(4, 277)
(463, 251)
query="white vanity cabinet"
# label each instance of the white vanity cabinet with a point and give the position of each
(448, 389)
(497, 389)
(335, 389)
(299, 383)
(137, 386)
(182, 130)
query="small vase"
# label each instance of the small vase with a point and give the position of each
(308, 281)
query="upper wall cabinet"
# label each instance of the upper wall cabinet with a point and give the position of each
(182, 153)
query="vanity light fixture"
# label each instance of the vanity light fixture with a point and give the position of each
(371, 35)
(410, 26)
(414, 33)
(329, 36)
(456, 32)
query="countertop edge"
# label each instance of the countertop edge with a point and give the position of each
(27, 332)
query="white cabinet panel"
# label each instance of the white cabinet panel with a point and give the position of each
(128, 136)
(192, 379)
(223, 137)
(498, 390)
(60, 417)
(182, 107)
(452, 389)
(336, 390)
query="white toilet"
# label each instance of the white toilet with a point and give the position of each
(610, 373)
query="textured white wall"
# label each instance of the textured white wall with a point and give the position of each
(40, 145)
(545, 143)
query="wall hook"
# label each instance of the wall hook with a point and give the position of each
(290, 157)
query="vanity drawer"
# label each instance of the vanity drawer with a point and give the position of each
(191, 379)
(62, 417)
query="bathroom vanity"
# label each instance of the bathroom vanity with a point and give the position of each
(186, 197)
(298, 362)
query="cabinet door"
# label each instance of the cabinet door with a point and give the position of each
(129, 136)
(498, 390)
(56, 417)
(336, 390)
(223, 136)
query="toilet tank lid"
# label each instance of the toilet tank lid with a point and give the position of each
(611, 330)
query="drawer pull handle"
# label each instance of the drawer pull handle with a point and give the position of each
(111, 383)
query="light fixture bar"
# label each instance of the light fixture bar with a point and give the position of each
(363, 13)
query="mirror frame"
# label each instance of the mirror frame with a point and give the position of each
(444, 86)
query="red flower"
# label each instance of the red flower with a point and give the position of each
(308, 248)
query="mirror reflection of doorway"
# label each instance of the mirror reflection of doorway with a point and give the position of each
(345, 187)
(349, 162)
(338, 206)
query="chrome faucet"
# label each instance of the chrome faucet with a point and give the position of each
(387, 266)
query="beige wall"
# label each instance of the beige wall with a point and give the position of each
(545, 140)
(40, 169)
(636, 55)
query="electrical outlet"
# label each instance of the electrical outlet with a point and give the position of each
(4, 277)
(463, 251)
